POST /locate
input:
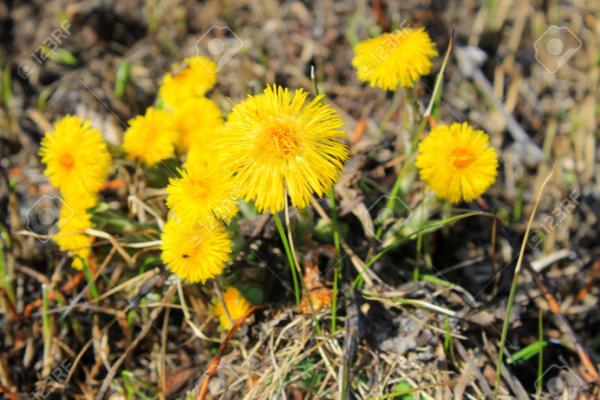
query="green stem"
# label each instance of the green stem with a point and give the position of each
(337, 274)
(417, 270)
(47, 330)
(513, 287)
(359, 279)
(290, 257)
(409, 159)
(389, 205)
(5, 275)
(393, 108)
(540, 355)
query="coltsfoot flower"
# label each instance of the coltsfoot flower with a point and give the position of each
(279, 142)
(77, 159)
(205, 190)
(236, 304)
(395, 59)
(150, 136)
(195, 251)
(457, 162)
(71, 236)
(190, 79)
(197, 120)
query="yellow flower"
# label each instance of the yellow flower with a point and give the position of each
(71, 236)
(394, 59)
(197, 120)
(195, 251)
(192, 78)
(80, 257)
(279, 142)
(236, 305)
(206, 189)
(457, 162)
(150, 137)
(77, 159)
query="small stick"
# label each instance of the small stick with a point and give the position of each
(11, 395)
(214, 363)
(585, 290)
(13, 315)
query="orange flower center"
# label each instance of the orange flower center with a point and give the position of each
(66, 161)
(461, 158)
(283, 140)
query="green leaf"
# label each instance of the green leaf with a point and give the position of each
(123, 76)
(527, 352)
(63, 57)
(404, 391)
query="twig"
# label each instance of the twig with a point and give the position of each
(513, 287)
(11, 395)
(564, 325)
(214, 363)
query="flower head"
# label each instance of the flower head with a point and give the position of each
(236, 305)
(281, 143)
(394, 59)
(457, 162)
(71, 236)
(195, 251)
(77, 159)
(192, 78)
(150, 136)
(197, 120)
(204, 190)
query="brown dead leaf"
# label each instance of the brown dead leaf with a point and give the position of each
(320, 296)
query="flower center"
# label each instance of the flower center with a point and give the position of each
(195, 247)
(461, 158)
(199, 188)
(283, 140)
(66, 161)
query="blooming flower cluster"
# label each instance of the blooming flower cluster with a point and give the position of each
(274, 147)
(77, 163)
(187, 116)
